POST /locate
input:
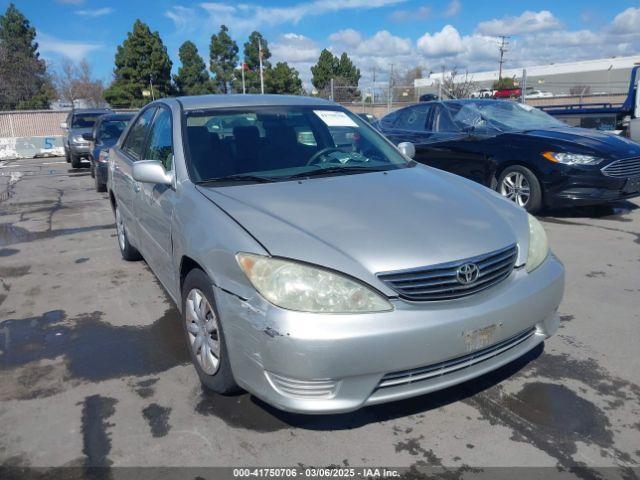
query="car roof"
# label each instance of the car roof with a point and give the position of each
(197, 102)
(116, 116)
(92, 110)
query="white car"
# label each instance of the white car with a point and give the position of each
(538, 94)
(483, 93)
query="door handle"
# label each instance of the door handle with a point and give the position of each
(136, 187)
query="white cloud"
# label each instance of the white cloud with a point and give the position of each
(98, 12)
(453, 9)
(527, 22)
(420, 13)
(348, 38)
(246, 17)
(294, 48)
(627, 21)
(74, 50)
(445, 43)
(182, 17)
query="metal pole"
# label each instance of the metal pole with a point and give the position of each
(440, 84)
(153, 97)
(244, 90)
(261, 75)
(332, 90)
(390, 90)
(523, 88)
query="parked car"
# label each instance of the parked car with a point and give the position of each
(523, 153)
(483, 93)
(104, 135)
(507, 93)
(78, 122)
(369, 117)
(318, 277)
(531, 94)
(428, 97)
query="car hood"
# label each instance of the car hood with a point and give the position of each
(375, 222)
(592, 142)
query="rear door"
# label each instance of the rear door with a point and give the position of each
(122, 169)
(153, 204)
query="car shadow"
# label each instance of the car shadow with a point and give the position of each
(610, 211)
(248, 412)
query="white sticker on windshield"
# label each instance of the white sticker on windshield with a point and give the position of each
(335, 118)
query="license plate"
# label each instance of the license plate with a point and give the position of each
(632, 185)
(480, 338)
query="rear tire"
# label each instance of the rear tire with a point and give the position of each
(100, 187)
(520, 185)
(92, 169)
(128, 251)
(204, 335)
(66, 156)
(76, 162)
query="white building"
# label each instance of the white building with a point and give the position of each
(607, 75)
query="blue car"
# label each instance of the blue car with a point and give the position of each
(105, 134)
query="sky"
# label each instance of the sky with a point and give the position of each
(374, 33)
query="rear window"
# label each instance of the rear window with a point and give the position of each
(84, 120)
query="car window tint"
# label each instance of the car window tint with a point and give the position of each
(160, 145)
(110, 129)
(134, 143)
(413, 119)
(84, 120)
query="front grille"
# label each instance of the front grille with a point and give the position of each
(441, 282)
(627, 167)
(438, 369)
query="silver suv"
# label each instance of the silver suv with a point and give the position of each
(79, 122)
(317, 266)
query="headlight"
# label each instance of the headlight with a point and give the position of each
(571, 158)
(296, 286)
(538, 245)
(78, 139)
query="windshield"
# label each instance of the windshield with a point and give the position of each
(85, 120)
(500, 116)
(111, 130)
(253, 144)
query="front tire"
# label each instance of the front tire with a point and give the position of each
(76, 162)
(521, 186)
(205, 338)
(128, 251)
(100, 187)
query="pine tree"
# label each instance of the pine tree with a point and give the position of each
(223, 59)
(324, 70)
(192, 77)
(24, 82)
(283, 79)
(142, 64)
(252, 61)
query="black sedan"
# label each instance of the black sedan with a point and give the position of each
(105, 134)
(520, 151)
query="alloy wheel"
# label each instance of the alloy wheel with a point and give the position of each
(516, 188)
(203, 331)
(120, 229)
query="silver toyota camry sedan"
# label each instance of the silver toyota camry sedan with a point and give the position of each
(317, 266)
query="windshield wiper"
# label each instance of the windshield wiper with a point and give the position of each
(329, 170)
(238, 177)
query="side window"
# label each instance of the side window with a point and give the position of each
(413, 118)
(160, 145)
(134, 143)
(389, 120)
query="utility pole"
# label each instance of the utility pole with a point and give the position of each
(504, 43)
(523, 87)
(440, 84)
(244, 64)
(260, 57)
(390, 90)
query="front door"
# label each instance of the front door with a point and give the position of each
(154, 203)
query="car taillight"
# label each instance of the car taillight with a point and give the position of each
(104, 156)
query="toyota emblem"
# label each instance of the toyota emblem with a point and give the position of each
(467, 273)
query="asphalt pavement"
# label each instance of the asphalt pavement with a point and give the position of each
(94, 370)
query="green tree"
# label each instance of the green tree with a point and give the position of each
(344, 73)
(252, 62)
(503, 83)
(223, 59)
(283, 79)
(142, 64)
(24, 81)
(192, 77)
(324, 70)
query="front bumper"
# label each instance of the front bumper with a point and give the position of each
(315, 363)
(576, 186)
(79, 150)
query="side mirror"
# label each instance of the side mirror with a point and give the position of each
(408, 149)
(151, 171)
(63, 125)
(88, 137)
